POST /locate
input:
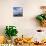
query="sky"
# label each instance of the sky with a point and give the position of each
(17, 10)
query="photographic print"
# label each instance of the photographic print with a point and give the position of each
(17, 11)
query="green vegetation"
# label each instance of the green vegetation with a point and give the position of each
(11, 31)
(41, 17)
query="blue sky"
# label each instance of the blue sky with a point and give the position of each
(17, 10)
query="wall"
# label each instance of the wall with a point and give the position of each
(27, 24)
